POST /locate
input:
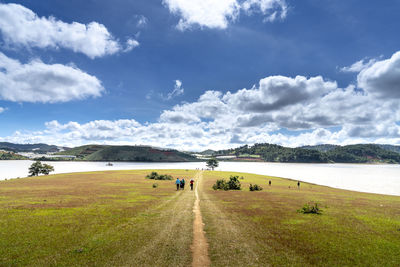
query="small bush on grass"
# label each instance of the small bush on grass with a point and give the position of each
(155, 185)
(310, 208)
(156, 176)
(255, 187)
(220, 184)
(232, 184)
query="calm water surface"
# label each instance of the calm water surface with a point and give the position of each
(383, 179)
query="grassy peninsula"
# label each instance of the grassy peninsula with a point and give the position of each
(118, 218)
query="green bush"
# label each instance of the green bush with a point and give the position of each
(156, 176)
(310, 207)
(255, 187)
(232, 184)
(220, 184)
(155, 185)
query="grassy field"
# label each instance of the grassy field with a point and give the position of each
(264, 228)
(116, 218)
(95, 219)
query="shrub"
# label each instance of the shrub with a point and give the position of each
(155, 185)
(220, 184)
(310, 207)
(232, 184)
(156, 176)
(255, 187)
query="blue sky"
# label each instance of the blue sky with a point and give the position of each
(199, 74)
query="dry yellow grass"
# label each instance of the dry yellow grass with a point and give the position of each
(95, 219)
(264, 228)
(118, 219)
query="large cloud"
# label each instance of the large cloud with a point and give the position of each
(277, 92)
(40, 82)
(382, 78)
(21, 26)
(291, 111)
(218, 14)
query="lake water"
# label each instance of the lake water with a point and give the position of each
(382, 179)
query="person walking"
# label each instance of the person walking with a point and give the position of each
(269, 182)
(191, 184)
(183, 183)
(178, 183)
(298, 184)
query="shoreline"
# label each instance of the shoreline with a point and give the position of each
(370, 178)
(231, 161)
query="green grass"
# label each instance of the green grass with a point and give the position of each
(116, 218)
(95, 219)
(264, 228)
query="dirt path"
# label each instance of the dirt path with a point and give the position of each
(200, 245)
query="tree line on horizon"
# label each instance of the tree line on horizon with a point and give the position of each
(362, 153)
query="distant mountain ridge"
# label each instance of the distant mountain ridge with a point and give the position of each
(325, 153)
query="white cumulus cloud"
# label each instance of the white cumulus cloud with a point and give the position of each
(273, 9)
(359, 65)
(291, 111)
(39, 82)
(22, 27)
(382, 78)
(218, 14)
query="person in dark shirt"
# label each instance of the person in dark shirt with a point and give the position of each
(191, 184)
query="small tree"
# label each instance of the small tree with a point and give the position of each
(37, 168)
(46, 169)
(212, 163)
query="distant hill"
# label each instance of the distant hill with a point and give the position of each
(8, 155)
(327, 147)
(207, 152)
(363, 153)
(36, 148)
(276, 153)
(82, 151)
(321, 148)
(127, 153)
(391, 148)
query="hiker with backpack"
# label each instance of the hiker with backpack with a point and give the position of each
(183, 183)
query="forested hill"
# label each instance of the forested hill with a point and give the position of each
(127, 153)
(37, 148)
(7, 155)
(363, 153)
